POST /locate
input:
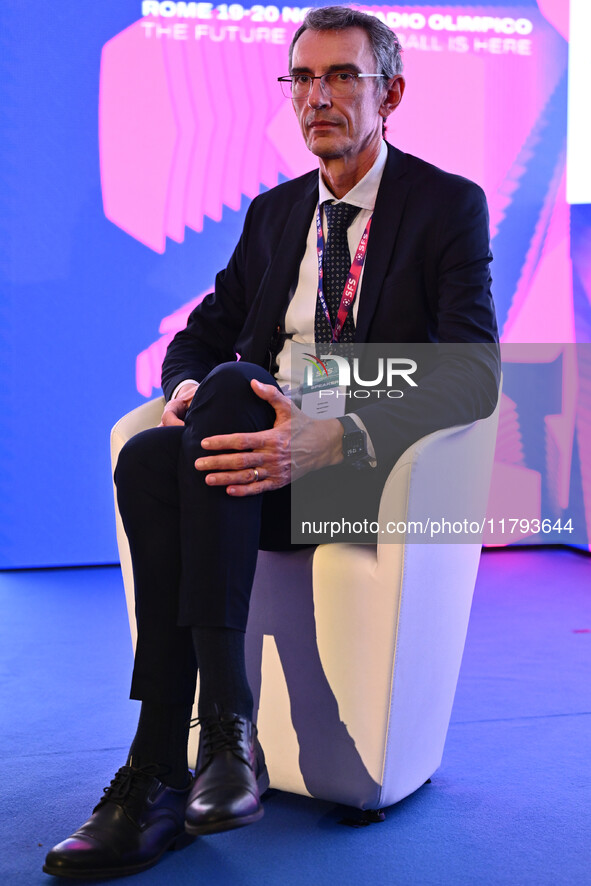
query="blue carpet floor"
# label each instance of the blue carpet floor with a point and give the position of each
(511, 803)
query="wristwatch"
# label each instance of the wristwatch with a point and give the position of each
(354, 443)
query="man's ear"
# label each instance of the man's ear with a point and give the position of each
(393, 95)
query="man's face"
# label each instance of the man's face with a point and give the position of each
(338, 127)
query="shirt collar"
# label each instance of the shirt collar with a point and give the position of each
(365, 192)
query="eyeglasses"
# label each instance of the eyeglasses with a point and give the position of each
(336, 84)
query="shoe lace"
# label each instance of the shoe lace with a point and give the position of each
(221, 734)
(127, 786)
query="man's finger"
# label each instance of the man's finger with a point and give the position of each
(271, 394)
(231, 478)
(238, 442)
(168, 419)
(251, 489)
(232, 461)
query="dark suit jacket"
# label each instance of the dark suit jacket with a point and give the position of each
(426, 279)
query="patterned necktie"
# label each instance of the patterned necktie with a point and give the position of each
(336, 263)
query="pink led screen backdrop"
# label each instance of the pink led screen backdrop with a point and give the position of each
(192, 124)
(179, 94)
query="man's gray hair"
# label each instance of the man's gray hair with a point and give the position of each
(384, 43)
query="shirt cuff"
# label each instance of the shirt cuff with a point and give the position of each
(186, 381)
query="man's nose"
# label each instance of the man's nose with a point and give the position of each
(317, 97)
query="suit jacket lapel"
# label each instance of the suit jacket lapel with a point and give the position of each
(283, 270)
(387, 216)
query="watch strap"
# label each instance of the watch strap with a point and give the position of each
(349, 424)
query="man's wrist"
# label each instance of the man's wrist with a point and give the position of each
(188, 383)
(333, 442)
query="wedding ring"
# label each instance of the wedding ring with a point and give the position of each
(256, 475)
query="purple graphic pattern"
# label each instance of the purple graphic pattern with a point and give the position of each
(192, 121)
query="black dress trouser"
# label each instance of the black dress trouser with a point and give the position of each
(193, 547)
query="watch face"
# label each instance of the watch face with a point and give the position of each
(354, 444)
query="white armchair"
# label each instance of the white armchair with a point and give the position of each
(354, 651)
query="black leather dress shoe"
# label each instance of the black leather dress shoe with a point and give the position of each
(230, 776)
(132, 826)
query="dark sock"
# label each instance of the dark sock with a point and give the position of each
(161, 742)
(223, 685)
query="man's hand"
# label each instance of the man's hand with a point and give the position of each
(294, 446)
(175, 410)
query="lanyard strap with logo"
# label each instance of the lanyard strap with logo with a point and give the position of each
(322, 396)
(351, 284)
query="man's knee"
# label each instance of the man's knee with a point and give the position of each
(151, 451)
(225, 402)
(233, 379)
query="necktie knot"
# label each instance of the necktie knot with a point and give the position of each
(339, 215)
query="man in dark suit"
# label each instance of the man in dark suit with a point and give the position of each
(200, 494)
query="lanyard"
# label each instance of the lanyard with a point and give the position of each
(350, 290)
